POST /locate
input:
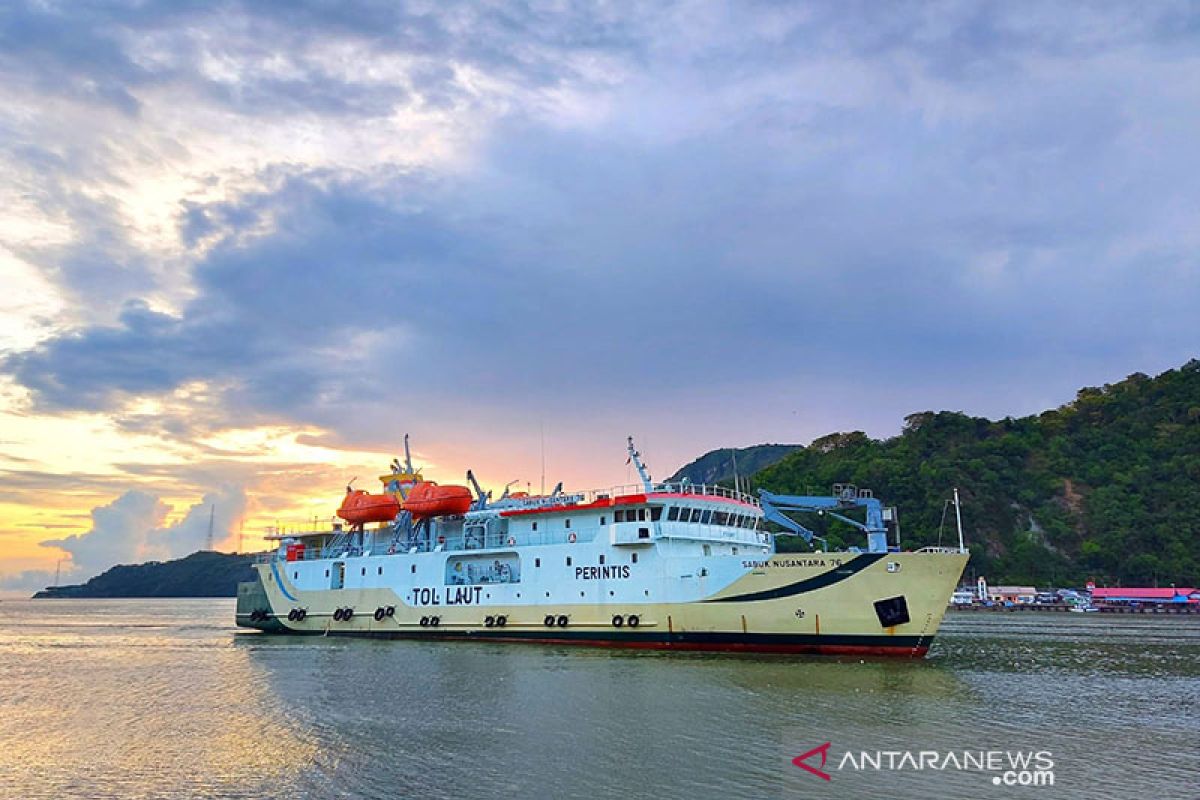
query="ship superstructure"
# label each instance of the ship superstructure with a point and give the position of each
(661, 565)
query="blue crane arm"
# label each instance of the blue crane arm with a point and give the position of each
(774, 506)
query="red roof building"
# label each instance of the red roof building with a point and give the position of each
(1144, 595)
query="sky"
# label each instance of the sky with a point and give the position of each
(246, 247)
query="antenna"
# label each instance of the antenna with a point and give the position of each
(212, 512)
(542, 427)
(407, 456)
(58, 570)
(241, 527)
(737, 483)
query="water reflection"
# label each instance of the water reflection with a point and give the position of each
(139, 699)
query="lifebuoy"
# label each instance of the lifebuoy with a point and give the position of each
(337, 615)
(618, 620)
(633, 620)
(512, 541)
(441, 540)
(562, 620)
(571, 537)
(501, 621)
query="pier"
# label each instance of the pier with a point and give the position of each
(1182, 609)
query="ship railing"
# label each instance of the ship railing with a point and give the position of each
(934, 549)
(674, 487)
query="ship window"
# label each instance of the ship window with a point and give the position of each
(696, 514)
(618, 516)
(633, 558)
(326, 573)
(751, 522)
(381, 570)
(673, 513)
(601, 558)
(296, 575)
(705, 518)
(537, 562)
(735, 520)
(414, 569)
(568, 523)
(720, 518)
(535, 526)
(655, 513)
(643, 533)
(707, 550)
(641, 515)
(364, 571)
(568, 561)
(603, 521)
(735, 551)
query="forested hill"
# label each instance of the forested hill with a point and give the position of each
(717, 466)
(1106, 487)
(202, 574)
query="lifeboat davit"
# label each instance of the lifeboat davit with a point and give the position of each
(358, 507)
(427, 499)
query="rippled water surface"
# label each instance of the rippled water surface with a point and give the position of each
(142, 699)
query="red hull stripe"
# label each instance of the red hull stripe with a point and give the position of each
(825, 644)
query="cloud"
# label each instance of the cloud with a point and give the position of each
(745, 221)
(133, 528)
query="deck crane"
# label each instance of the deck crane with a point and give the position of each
(844, 498)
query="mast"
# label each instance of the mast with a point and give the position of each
(636, 458)
(737, 483)
(958, 516)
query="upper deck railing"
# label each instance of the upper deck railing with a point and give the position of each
(698, 490)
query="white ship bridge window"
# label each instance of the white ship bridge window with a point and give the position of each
(568, 523)
(673, 514)
(535, 526)
(655, 513)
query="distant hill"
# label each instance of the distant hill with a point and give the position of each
(202, 574)
(1105, 487)
(716, 466)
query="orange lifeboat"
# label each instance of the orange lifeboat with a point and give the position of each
(427, 499)
(359, 507)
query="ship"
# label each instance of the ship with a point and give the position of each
(671, 566)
